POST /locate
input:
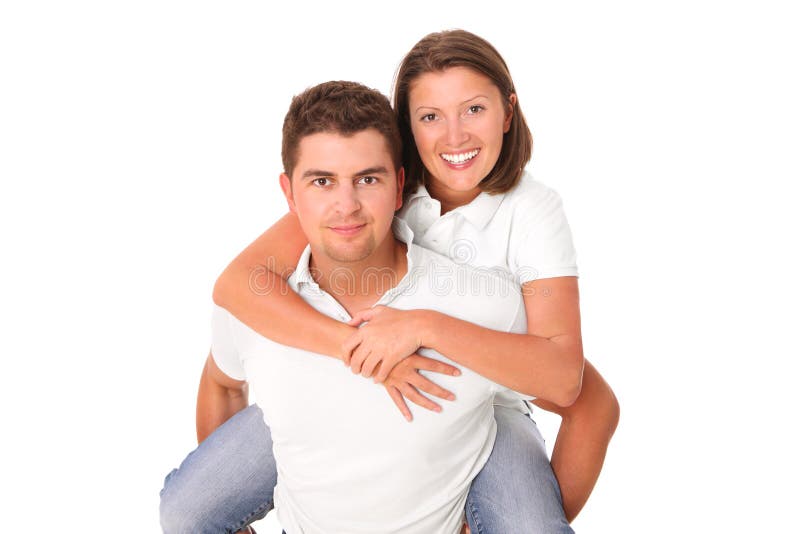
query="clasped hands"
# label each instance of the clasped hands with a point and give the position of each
(385, 348)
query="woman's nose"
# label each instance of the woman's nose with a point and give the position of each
(456, 134)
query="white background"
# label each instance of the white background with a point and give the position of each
(139, 152)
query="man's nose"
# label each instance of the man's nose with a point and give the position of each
(347, 200)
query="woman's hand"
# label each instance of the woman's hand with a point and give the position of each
(389, 336)
(405, 382)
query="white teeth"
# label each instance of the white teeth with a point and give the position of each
(460, 158)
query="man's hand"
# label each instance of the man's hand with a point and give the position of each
(405, 382)
(389, 336)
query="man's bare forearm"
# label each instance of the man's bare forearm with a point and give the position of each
(580, 448)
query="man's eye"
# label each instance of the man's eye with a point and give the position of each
(369, 180)
(321, 181)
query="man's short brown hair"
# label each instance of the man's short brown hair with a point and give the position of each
(345, 108)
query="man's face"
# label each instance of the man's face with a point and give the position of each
(344, 190)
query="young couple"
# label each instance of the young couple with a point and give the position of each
(329, 450)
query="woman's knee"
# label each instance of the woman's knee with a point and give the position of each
(178, 511)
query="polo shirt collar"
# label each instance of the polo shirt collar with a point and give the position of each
(478, 212)
(302, 275)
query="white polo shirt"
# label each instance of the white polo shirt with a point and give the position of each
(350, 463)
(522, 235)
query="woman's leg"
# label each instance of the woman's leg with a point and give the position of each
(224, 484)
(516, 491)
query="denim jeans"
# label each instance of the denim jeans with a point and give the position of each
(228, 481)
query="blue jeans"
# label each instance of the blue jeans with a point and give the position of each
(227, 482)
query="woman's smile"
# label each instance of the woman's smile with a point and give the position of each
(458, 118)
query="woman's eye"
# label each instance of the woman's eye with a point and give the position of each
(475, 109)
(428, 118)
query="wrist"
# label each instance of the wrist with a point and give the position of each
(340, 334)
(426, 321)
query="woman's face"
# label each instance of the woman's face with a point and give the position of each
(458, 119)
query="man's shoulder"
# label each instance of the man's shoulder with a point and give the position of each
(463, 251)
(486, 296)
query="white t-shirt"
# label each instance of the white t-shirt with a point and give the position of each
(350, 463)
(522, 235)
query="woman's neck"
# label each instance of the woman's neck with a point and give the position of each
(451, 199)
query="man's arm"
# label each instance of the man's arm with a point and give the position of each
(218, 398)
(583, 438)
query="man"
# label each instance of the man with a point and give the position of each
(346, 461)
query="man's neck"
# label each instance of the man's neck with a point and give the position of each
(359, 285)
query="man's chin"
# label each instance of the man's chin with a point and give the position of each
(348, 254)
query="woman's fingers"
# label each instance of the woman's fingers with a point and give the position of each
(350, 344)
(429, 364)
(358, 318)
(411, 393)
(363, 316)
(424, 384)
(387, 365)
(399, 402)
(369, 365)
(358, 358)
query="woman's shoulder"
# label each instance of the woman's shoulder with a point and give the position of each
(540, 240)
(531, 196)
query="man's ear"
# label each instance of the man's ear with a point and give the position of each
(512, 101)
(286, 186)
(401, 180)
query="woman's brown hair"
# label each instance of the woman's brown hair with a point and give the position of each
(437, 52)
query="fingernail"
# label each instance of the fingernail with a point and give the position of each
(438, 408)
(456, 373)
(451, 397)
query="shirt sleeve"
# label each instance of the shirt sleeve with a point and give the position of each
(223, 344)
(541, 240)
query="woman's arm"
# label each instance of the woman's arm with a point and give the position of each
(546, 363)
(254, 289)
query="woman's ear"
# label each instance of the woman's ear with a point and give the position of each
(512, 102)
(401, 179)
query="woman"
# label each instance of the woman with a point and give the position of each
(465, 146)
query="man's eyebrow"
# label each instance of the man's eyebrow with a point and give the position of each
(378, 169)
(316, 173)
(461, 104)
(320, 173)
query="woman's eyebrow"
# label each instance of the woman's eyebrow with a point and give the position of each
(474, 98)
(461, 104)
